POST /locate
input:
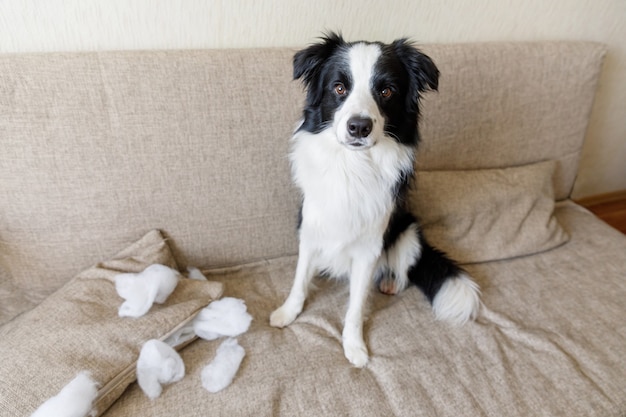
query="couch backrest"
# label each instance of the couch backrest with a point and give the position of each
(510, 104)
(98, 148)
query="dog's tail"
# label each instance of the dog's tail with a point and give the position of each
(455, 297)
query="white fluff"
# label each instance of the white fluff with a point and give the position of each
(141, 290)
(219, 374)
(186, 333)
(195, 273)
(225, 317)
(158, 364)
(74, 400)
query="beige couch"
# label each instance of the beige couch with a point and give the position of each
(123, 159)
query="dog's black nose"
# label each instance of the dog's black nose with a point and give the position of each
(360, 127)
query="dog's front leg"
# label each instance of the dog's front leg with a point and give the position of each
(287, 313)
(361, 278)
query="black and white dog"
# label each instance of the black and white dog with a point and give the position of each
(352, 158)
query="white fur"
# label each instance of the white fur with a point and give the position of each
(348, 196)
(348, 199)
(398, 260)
(457, 301)
(360, 102)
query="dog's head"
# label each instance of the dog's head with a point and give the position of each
(364, 91)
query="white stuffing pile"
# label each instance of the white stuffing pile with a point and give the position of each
(158, 362)
(141, 290)
(74, 400)
(225, 317)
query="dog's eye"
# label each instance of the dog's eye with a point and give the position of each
(340, 89)
(386, 92)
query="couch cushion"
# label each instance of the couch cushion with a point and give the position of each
(490, 214)
(550, 341)
(78, 328)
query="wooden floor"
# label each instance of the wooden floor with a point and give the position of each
(609, 207)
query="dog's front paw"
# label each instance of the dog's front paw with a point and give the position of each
(283, 316)
(356, 353)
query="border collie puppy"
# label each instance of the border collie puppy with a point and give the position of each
(352, 158)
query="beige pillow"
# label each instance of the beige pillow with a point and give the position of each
(489, 214)
(77, 328)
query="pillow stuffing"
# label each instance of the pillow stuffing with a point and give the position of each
(78, 329)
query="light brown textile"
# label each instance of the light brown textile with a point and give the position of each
(500, 106)
(490, 214)
(78, 328)
(98, 148)
(551, 341)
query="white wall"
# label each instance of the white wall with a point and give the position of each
(72, 25)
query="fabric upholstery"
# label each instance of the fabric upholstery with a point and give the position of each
(508, 106)
(78, 329)
(98, 148)
(549, 341)
(489, 214)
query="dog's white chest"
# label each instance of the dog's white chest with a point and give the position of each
(348, 195)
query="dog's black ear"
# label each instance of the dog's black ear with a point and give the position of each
(307, 63)
(422, 70)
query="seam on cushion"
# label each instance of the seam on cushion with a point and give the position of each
(229, 268)
(122, 376)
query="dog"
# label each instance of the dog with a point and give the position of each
(352, 157)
